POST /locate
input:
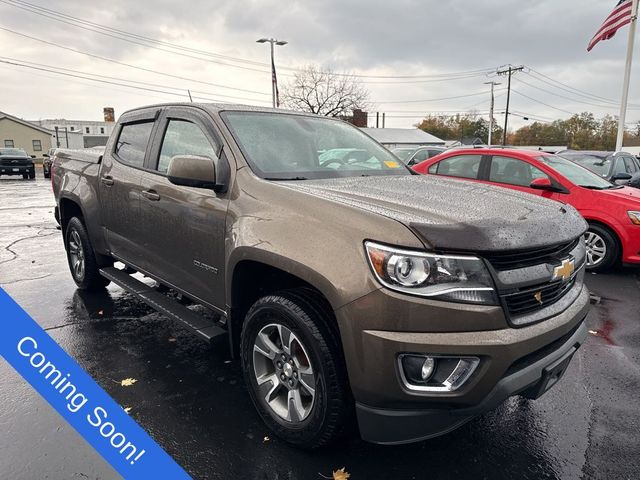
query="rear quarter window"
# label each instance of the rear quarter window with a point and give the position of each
(132, 143)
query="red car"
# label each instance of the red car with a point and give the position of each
(613, 212)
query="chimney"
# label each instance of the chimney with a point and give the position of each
(109, 114)
(359, 118)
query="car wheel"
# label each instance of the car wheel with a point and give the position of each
(81, 257)
(32, 175)
(25, 176)
(293, 365)
(603, 248)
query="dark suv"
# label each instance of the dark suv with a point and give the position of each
(617, 167)
(15, 161)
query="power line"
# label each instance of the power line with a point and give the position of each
(542, 103)
(578, 91)
(156, 44)
(568, 98)
(106, 59)
(426, 100)
(85, 76)
(126, 80)
(130, 40)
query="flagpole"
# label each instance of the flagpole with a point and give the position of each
(627, 75)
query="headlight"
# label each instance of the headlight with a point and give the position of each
(457, 278)
(634, 216)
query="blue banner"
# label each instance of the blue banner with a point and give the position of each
(79, 399)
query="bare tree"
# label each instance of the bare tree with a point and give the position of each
(325, 93)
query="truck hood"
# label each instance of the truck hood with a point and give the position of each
(455, 215)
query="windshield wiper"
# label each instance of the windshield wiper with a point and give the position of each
(286, 178)
(593, 187)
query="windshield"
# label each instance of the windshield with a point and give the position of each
(575, 173)
(600, 164)
(403, 153)
(13, 152)
(281, 146)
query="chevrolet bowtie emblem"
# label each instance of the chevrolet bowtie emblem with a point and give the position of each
(538, 297)
(564, 271)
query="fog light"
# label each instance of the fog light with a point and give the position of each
(435, 373)
(427, 368)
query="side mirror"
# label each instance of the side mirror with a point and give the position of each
(32, 156)
(621, 176)
(542, 183)
(192, 171)
(45, 155)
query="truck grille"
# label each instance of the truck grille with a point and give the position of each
(15, 162)
(529, 258)
(525, 301)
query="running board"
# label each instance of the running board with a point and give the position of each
(202, 327)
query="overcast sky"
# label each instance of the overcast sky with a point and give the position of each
(392, 39)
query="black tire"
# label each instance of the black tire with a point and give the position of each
(88, 277)
(308, 317)
(32, 175)
(601, 235)
(25, 176)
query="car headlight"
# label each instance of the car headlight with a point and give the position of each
(456, 278)
(634, 216)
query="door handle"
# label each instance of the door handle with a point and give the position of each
(108, 181)
(151, 195)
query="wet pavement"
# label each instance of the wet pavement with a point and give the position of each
(191, 398)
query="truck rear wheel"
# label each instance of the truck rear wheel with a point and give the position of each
(293, 365)
(81, 257)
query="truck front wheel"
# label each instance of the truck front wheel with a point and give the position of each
(81, 257)
(293, 365)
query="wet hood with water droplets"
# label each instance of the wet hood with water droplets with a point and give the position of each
(455, 215)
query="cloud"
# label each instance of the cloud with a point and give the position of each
(406, 37)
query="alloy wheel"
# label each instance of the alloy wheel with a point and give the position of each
(76, 254)
(596, 248)
(283, 372)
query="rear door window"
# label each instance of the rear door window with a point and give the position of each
(132, 143)
(513, 171)
(462, 166)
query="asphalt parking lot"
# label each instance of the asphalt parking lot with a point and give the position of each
(190, 397)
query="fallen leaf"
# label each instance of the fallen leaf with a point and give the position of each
(172, 339)
(593, 332)
(340, 474)
(127, 382)
(100, 312)
(265, 439)
(127, 409)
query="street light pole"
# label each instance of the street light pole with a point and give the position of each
(493, 84)
(274, 79)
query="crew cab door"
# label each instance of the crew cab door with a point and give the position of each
(119, 183)
(184, 227)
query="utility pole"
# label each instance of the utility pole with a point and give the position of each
(66, 135)
(508, 71)
(493, 84)
(383, 114)
(274, 80)
(57, 136)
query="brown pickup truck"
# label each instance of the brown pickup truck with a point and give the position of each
(350, 289)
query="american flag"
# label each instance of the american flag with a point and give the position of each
(620, 17)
